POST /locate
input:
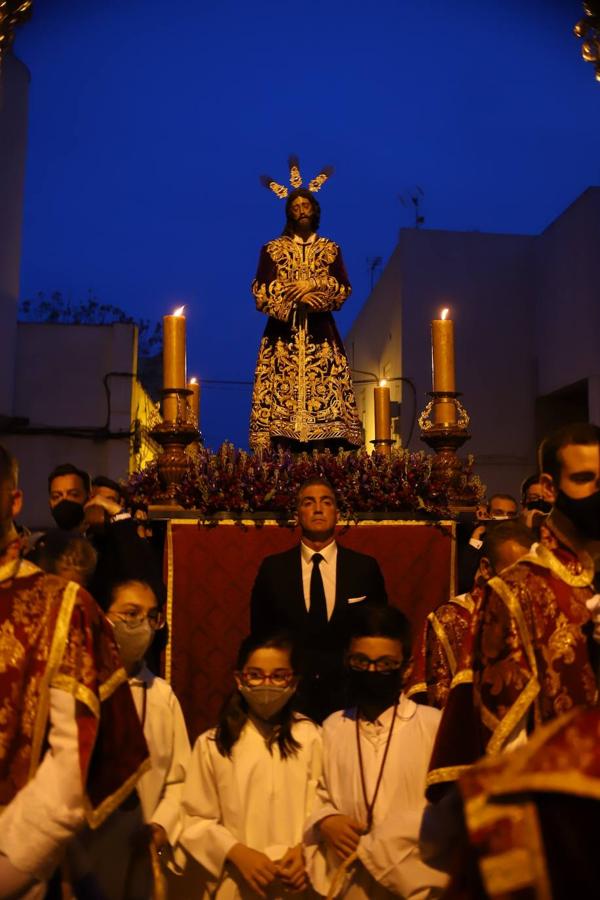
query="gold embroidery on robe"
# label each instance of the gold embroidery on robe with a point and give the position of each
(302, 385)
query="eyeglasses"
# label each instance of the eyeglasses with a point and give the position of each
(256, 677)
(155, 618)
(361, 663)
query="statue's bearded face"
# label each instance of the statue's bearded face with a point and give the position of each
(301, 213)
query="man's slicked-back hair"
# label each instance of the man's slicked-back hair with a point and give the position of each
(9, 469)
(70, 469)
(106, 482)
(382, 621)
(529, 482)
(316, 216)
(315, 479)
(582, 433)
(498, 496)
(500, 533)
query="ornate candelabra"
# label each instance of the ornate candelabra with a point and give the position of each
(444, 427)
(174, 435)
(12, 14)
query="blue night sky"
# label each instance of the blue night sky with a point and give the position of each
(150, 123)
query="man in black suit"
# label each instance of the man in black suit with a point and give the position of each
(311, 591)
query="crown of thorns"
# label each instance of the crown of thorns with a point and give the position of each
(282, 192)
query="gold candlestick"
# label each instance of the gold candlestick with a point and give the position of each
(383, 418)
(194, 400)
(173, 362)
(443, 369)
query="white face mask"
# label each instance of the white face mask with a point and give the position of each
(267, 700)
(133, 640)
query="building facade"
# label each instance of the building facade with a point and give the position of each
(527, 320)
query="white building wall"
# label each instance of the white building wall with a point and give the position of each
(568, 298)
(59, 388)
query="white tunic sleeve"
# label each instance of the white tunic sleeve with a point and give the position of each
(390, 852)
(168, 811)
(46, 813)
(203, 836)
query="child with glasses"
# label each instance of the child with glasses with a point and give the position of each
(362, 839)
(252, 781)
(114, 861)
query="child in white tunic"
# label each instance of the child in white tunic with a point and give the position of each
(106, 859)
(252, 782)
(375, 759)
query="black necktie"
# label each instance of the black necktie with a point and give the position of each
(317, 611)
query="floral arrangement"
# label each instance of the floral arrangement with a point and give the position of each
(238, 482)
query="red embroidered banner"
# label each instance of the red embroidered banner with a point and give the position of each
(211, 570)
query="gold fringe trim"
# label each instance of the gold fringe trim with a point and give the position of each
(57, 649)
(419, 688)
(464, 600)
(79, 691)
(112, 683)
(453, 543)
(170, 576)
(448, 773)
(513, 717)
(465, 676)
(442, 637)
(96, 816)
(546, 558)
(511, 601)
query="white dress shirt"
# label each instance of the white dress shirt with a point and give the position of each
(327, 568)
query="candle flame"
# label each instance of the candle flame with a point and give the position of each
(383, 382)
(179, 311)
(193, 381)
(445, 314)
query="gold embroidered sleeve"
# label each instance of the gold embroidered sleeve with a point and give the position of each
(271, 299)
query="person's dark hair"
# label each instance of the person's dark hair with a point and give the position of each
(70, 556)
(577, 433)
(9, 469)
(234, 712)
(533, 479)
(69, 469)
(382, 621)
(501, 532)
(105, 598)
(104, 481)
(502, 497)
(316, 216)
(316, 479)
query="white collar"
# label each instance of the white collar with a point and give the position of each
(310, 240)
(405, 710)
(329, 553)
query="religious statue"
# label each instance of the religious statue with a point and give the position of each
(303, 396)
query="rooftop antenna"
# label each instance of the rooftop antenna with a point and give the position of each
(414, 197)
(373, 263)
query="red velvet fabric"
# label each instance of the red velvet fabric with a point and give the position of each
(211, 570)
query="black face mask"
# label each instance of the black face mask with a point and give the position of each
(584, 513)
(543, 506)
(68, 514)
(373, 692)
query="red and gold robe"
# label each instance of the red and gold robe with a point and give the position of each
(54, 636)
(438, 654)
(531, 816)
(302, 383)
(526, 659)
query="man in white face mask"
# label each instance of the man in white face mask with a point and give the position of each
(135, 614)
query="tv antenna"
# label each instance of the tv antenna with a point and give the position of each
(414, 197)
(373, 263)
